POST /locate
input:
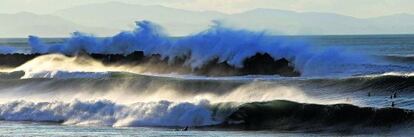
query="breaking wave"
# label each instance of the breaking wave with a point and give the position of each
(130, 99)
(277, 114)
(87, 80)
(106, 113)
(391, 81)
(221, 44)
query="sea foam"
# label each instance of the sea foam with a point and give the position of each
(228, 45)
(107, 113)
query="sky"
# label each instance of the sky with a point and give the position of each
(355, 8)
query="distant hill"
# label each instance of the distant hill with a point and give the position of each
(108, 18)
(180, 22)
(289, 22)
(24, 24)
(397, 23)
(120, 15)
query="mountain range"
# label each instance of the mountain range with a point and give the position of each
(109, 18)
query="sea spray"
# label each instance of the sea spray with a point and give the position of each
(107, 113)
(228, 45)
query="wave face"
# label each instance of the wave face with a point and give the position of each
(106, 113)
(403, 82)
(82, 91)
(286, 115)
(218, 44)
(275, 115)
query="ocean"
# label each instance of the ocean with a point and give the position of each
(219, 82)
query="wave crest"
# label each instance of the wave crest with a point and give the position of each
(225, 45)
(162, 113)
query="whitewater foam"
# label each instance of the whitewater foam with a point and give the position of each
(228, 45)
(406, 74)
(107, 113)
(48, 101)
(65, 75)
(62, 67)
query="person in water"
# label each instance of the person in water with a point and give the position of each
(183, 129)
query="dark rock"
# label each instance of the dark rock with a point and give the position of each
(262, 64)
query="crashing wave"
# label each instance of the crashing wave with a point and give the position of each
(106, 113)
(277, 114)
(379, 83)
(217, 44)
(261, 64)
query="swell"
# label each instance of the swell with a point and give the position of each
(271, 115)
(121, 87)
(399, 58)
(387, 82)
(376, 83)
(129, 81)
(291, 116)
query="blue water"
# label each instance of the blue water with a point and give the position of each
(402, 45)
(393, 52)
(399, 45)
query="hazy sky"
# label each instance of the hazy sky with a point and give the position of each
(356, 8)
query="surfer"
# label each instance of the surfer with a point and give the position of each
(183, 129)
(369, 94)
(392, 104)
